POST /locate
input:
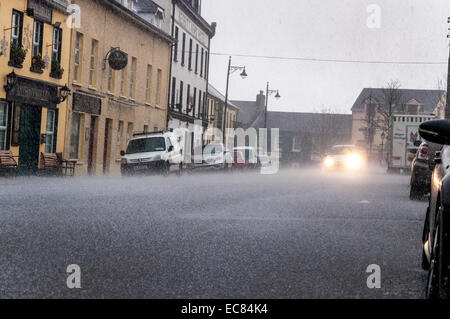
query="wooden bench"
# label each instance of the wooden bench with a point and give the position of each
(54, 163)
(7, 162)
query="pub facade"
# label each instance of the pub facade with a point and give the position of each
(119, 78)
(34, 64)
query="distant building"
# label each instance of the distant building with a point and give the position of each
(300, 134)
(364, 110)
(215, 111)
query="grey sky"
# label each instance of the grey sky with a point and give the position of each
(411, 30)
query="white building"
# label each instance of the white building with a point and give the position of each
(190, 68)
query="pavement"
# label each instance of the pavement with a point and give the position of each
(301, 233)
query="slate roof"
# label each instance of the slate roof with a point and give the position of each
(215, 93)
(305, 122)
(247, 111)
(147, 6)
(428, 99)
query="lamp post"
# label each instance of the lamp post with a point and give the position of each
(269, 92)
(382, 148)
(231, 70)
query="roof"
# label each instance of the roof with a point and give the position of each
(428, 99)
(147, 6)
(247, 111)
(305, 122)
(215, 93)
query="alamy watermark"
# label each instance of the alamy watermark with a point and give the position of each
(74, 278)
(374, 19)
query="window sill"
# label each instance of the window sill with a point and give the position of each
(75, 83)
(38, 71)
(18, 66)
(92, 88)
(148, 104)
(110, 93)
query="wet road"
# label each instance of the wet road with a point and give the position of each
(296, 234)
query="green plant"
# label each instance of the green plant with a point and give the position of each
(56, 70)
(37, 62)
(18, 54)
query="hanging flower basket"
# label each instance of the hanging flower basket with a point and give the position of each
(56, 70)
(17, 55)
(37, 64)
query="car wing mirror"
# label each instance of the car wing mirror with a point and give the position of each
(171, 148)
(436, 131)
(122, 153)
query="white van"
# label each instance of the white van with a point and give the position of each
(150, 152)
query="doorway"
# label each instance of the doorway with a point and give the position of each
(29, 138)
(106, 146)
(91, 151)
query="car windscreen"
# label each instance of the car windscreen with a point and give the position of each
(342, 150)
(146, 145)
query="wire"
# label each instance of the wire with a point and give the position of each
(329, 60)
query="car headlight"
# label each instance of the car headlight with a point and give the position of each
(328, 162)
(353, 161)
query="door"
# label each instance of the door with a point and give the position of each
(91, 166)
(106, 147)
(29, 138)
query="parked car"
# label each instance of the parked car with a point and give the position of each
(215, 156)
(250, 156)
(264, 160)
(420, 169)
(435, 238)
(152, 152)
(347, 157)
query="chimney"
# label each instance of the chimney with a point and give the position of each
(261, 100)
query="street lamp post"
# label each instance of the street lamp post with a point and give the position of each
(269, 92)
(382, 148)
(231, 70)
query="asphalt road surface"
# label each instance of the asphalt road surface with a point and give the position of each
(297, 234)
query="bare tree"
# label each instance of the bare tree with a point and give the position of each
(392, 97)
(326, 127)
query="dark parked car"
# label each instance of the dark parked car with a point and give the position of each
(421, 169)
(436, 239)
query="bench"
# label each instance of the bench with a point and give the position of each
(53, 163)
(7, 162)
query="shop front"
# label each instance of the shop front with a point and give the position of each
(32, 118)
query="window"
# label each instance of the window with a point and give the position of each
(202, 106)
(3, 124)
(17, 28)
(158, 87)
(119, 139)
(93, 64)
(174, 89)
(133, 77)
(196, 59)
(199, 100)
(145, 128)
(123, 82)
(78, 57)
(75, 135)
(111, 80)
(190, 55)
(296, 144)
(148, 84)
(183, 48)
(206, 64)
(175, 48)
(180, 101)
(201, 63)
(129, 132)
(50, 140)
(57, 43)
(195, 100)
(37, 38)
(188, 99)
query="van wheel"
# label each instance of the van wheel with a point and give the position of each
(180, 170)
(166, 169)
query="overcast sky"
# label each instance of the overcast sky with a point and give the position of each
(410, 30)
